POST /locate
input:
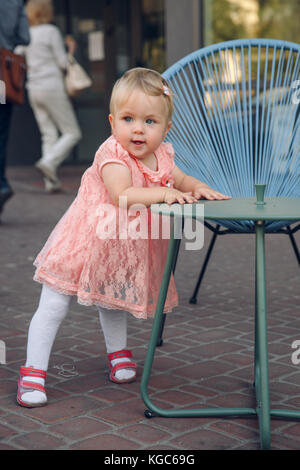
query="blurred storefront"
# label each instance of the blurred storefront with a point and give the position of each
(114, 35)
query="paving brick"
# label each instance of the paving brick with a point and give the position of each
(205, 439)
(145, 434)
(122, 414)
(165, 381)
(238, 360)
(105, 442)
(113, 395)
(7, 447)
(293, 430)
(63, 409)
(83, 384)
(234, 400)
(219, 348)
(6, 432)
(225, 384)
(20, 423)
(38, 441)
(203, 369)
(177, 397)
(236, 429)
(80, 428)
(279, 441)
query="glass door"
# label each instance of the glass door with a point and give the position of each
(100, 29)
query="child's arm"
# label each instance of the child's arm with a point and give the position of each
(118, 182)
(198, 189)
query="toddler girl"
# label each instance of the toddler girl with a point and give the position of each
(118, 274)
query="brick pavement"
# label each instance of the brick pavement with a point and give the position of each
(206, 359)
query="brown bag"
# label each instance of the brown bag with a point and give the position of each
(13, 72)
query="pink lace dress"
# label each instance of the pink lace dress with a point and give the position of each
(98, 254)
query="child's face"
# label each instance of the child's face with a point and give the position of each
(140, 124)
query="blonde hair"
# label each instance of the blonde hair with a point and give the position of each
(39, 12)
(147, 80)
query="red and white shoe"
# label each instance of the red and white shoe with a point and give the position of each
(26, 386)
(124, 353)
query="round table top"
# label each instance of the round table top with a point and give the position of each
(274, 208)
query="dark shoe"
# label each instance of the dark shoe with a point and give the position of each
(5, 194)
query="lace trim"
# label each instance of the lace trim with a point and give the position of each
(164, 178)
(159, 176)
(89, 300)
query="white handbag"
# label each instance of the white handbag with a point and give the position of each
(76, 78)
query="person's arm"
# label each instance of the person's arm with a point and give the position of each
(118, 182)
(199, 190)
(22, 35)
(71, 44)
(58, 48)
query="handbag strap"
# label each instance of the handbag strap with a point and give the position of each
(71, 59)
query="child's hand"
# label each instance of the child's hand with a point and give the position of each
(173, 195)
(203, 191)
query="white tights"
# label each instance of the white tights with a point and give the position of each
(53, 308)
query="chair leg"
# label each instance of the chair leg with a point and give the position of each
(193, 299)
(160, 336)
(294, 244)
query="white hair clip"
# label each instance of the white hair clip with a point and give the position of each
(166, 90)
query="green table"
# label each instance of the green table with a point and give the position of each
(258, 210)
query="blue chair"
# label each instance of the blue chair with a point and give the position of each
(236, 123)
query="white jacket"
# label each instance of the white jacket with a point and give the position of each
(46, 58)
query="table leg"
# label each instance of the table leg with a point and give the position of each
(157, 322)
(152, 408)
(163, 320)
(261, 340)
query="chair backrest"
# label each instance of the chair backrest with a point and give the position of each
(236, 120)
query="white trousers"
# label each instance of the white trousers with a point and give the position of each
(57, 123)
(53, 308)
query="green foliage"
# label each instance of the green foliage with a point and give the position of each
(277, 19)
(224, 27)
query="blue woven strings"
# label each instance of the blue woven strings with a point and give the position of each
(237, 118)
